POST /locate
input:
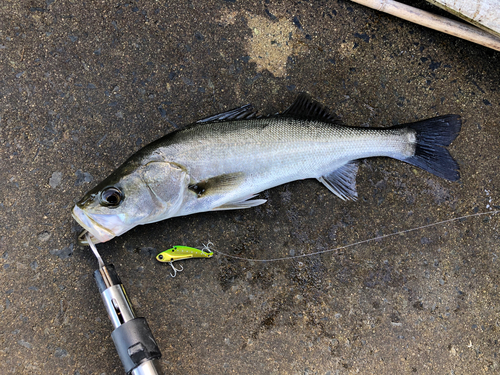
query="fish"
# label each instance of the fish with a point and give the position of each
(223, 161)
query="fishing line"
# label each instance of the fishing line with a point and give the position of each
(337, 249)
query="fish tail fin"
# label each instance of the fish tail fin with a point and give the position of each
(433, 136)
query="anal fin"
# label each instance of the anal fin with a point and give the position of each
(342, 181)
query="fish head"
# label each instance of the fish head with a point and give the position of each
(131, 196)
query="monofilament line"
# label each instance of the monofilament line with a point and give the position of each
(94, 250)
(337, 249)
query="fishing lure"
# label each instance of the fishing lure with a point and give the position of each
(183, 252)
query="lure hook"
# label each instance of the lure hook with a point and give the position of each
(175, 269)
(206, 248)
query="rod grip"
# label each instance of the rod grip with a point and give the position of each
(135, 343)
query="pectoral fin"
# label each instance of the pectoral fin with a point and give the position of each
(217, 184)
(342, 181)
(223, 184)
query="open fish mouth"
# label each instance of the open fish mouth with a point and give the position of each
(97, 232)
(82, 238)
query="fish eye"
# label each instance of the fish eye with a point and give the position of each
(160, 257)
(111, 197)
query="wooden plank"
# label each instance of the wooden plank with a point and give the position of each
(482, 13)
(443, 24)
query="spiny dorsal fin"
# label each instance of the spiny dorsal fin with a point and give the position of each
(342, 181)
(240, 113)
(305, 107)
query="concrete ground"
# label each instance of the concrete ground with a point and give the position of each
(85, 84)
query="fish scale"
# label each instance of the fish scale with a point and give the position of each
(289, 143)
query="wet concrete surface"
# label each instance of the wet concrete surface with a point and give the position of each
(85, 84)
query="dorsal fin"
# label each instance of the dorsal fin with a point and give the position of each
(240, 113)
(305, 107)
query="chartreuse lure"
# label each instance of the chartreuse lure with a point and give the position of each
(181, 253)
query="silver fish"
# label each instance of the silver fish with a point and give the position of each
(223, 161)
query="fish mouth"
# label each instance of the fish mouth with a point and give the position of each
(97, 232)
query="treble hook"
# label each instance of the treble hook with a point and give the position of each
(175, 269)
(206, 248)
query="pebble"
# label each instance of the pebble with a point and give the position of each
(25, 344)
(55, 180)
(64, 253)
(82, 177)
(44, 236)
(60, 353)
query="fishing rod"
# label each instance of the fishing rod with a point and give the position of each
(134, 341)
